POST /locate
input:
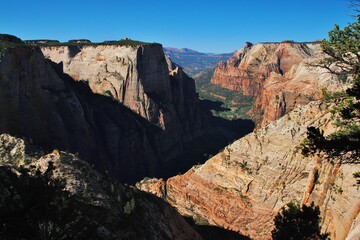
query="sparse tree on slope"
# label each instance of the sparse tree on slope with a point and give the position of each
(343, 50)
(298, 223)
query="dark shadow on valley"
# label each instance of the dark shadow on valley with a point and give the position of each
(213, 105)
(208, 232)
(230, 129)
(199, 150)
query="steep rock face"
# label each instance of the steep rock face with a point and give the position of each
(128, 74)
(38, 104)
(277, 74)
(243, 187)
(56, 112)
(139, 78)
(113, 210)
(136, 76)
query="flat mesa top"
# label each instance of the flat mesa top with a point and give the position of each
(85, 42)
(10, 41)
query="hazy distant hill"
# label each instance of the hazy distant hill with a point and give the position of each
(194, 62)
(200, 66)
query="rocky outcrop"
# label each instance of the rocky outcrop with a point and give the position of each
(277, 74)
(106, 209)
(39, 101)
(244, 186)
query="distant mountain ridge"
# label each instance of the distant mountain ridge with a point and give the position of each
(193, 61)
(182, 50)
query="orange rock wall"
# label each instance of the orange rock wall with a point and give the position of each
(277, 74)
(243, 187)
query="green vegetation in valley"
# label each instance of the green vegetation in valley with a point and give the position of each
(298, 223)
(222, 102)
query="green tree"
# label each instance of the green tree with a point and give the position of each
(343, 59)
(298, 223)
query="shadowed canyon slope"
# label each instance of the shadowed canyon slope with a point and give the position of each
(278, 75)
(244, 186)
(41, 102)
(97, 207)
(138, 77)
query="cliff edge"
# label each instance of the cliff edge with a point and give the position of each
(278, 75)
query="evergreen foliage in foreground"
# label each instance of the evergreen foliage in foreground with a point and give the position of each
(298, 223)
(343, 50)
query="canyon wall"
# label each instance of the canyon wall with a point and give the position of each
(40, 101)
(243, 187)
(137, 77)
(278, 75)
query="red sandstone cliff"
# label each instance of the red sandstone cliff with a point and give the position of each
(277, 74)
(244, 186)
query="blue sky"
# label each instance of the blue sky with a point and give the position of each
(207, 26)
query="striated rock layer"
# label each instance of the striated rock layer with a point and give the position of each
(277, 74)
(243, 187)
(39, 101)
(110, 210)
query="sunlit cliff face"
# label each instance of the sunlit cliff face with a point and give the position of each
(278, 75)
